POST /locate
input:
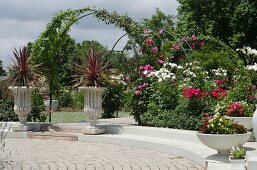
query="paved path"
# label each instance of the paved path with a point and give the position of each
(33, 154)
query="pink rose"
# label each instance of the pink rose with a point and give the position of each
(149, 41)
(138, 93)
(155, 49)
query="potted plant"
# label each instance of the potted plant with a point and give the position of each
(237, 158)
(221, 134)
(89, 77)
(22, 76)
(241, 113)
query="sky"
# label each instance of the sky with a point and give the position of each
(22, 21)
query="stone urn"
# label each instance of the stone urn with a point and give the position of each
(22, 106)
(245, 121)
(93, 108)
(223, 142)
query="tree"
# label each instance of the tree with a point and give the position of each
(159, 21)
(231, 21)
(2, 71)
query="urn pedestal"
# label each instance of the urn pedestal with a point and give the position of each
(93, 108)
(22, 106)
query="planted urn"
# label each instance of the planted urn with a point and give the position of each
(89, 77)
(221, 134)
(22, 76)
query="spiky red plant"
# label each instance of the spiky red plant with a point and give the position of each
(93, 72)
(22, 72)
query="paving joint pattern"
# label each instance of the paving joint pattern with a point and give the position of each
(35, 154)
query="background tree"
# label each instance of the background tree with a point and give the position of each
(2, 71)
(159, 21)
(231, 21)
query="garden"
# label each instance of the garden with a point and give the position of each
(198, 73)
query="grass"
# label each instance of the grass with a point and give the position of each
(75, 117)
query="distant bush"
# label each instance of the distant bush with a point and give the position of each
(6, 110)
(112, 100)
(37, 113)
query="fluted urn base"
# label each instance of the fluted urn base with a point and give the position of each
(93, 130)
(93, 109)
(22, 106)
(22, 127)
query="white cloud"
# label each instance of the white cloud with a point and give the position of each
(23, 20)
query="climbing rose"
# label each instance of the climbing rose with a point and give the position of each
(194, 37)
(235, 109)
(159, 61)
(138, 93)
(218, 92)
(149, 41)
(155, 49)
(176, 47)
(190, 92)
(219, 81)
(141, 86)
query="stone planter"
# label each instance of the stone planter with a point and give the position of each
(254, 123)
(22, 106)
(223, 142)
(93, 108)
(237, 164)
(55, 104)
(245, 121)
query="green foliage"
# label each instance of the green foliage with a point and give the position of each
(165, 95)
(112, 100)
(231, 21)
(65, 98)
(221, 125)
(170, 118)
(211, 58)
(2, 71)
(6, 110)
(237, 153)
(159, 21)
(140, 102)
(37, 113)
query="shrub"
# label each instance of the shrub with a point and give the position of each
(6, 110)
(170, 118)
(37, 113)
(65, 97)
(77, 100)
(112, 100)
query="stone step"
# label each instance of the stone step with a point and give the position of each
(54, 136)
(61, 127)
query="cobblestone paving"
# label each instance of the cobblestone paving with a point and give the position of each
(33, 154)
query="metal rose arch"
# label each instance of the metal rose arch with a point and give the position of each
(49, 42)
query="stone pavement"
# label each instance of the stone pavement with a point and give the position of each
(33, 154)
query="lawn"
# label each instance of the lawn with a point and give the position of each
(75, 117)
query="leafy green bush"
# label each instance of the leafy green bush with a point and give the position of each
(65, 98)
(170, 118)
(127, 99)
(37, 113)
(77, 100)
(112, 100)
(6, 110)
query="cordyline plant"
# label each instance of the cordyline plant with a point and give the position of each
(93, 72)
(22, 72)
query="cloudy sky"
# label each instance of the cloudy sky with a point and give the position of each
(23, 20)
